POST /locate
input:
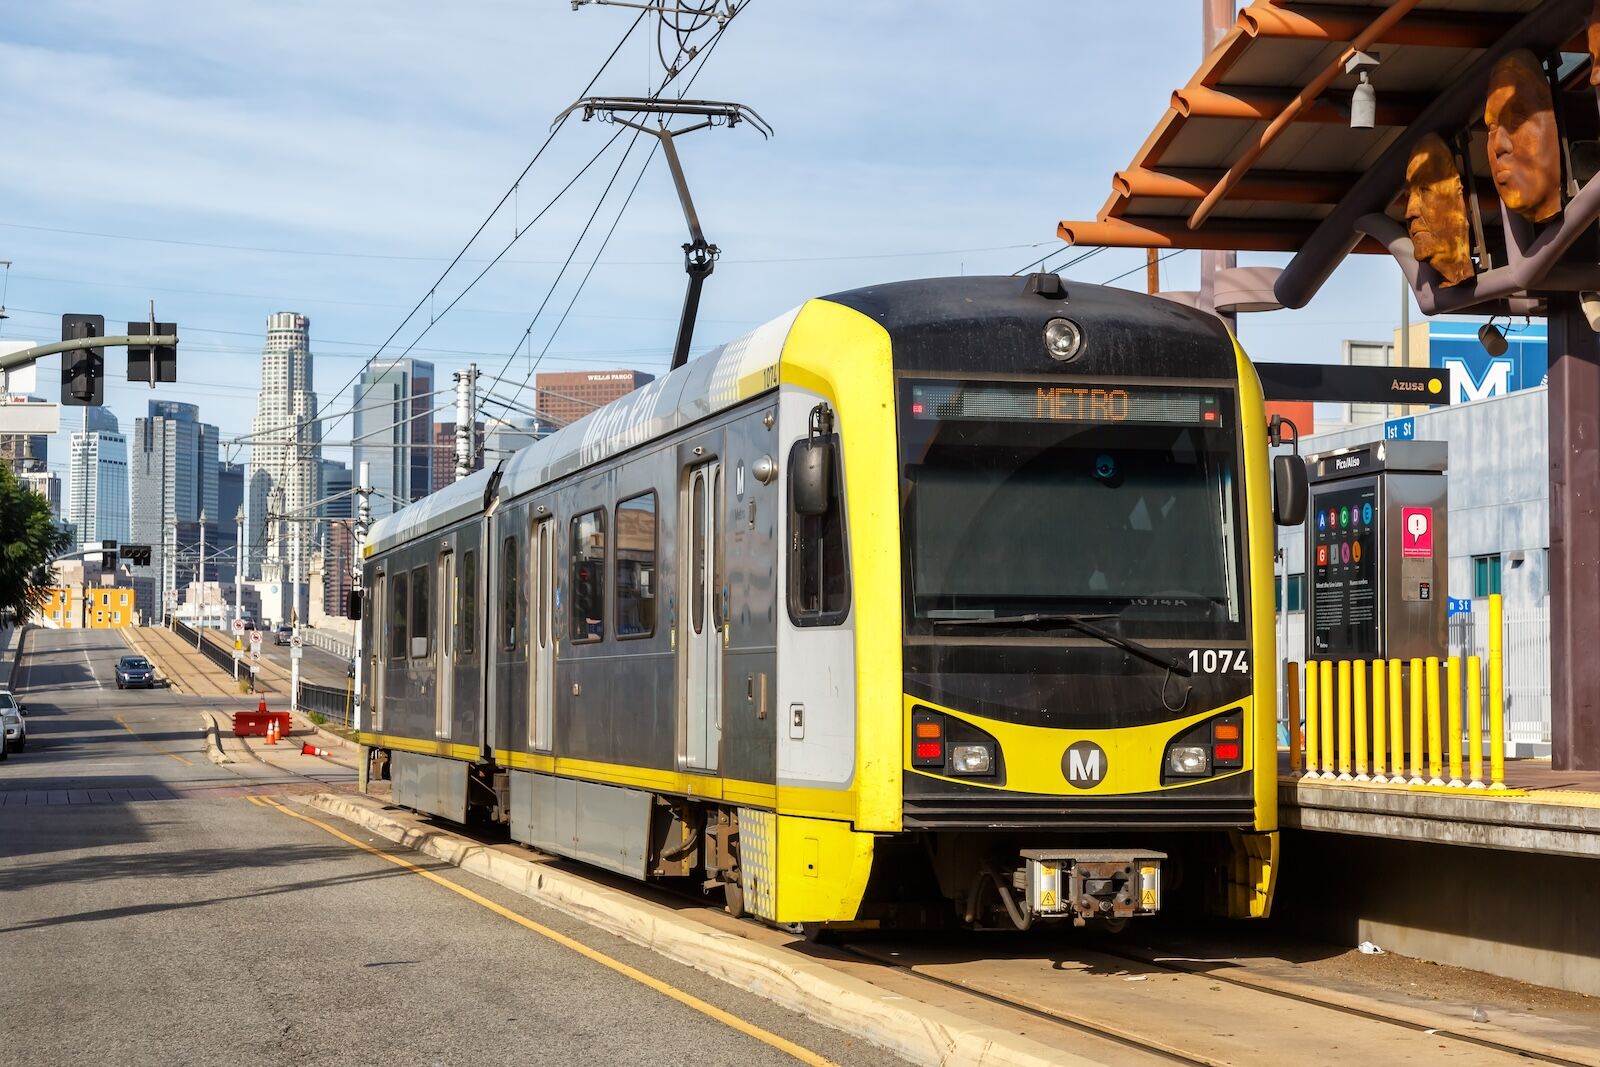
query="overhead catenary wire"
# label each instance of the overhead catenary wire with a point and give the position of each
(533, 365)
(1142, 266)
(508, 195)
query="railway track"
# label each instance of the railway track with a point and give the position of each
(1136, 1005)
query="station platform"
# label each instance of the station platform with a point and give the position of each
(1501, 881)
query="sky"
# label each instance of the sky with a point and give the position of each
(232, 160)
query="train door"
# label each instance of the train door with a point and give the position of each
(378, 612)
(542, 582)
(445, 661)
(701, 650)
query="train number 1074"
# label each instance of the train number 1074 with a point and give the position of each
(1219, 661)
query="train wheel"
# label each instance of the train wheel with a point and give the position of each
(733, 899)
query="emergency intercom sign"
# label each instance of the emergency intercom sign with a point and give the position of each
(1416, 533)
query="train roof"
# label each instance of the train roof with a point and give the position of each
(719, 379)
(936, 323)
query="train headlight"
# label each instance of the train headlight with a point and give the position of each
(971, 759)
(1063, 340)
(1193, 761)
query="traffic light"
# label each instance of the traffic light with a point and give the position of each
(152, 363)
(83, 369)
(136, 555)
(108, 555)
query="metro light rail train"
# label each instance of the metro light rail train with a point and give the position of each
(936, 602)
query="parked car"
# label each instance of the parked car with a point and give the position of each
(135, 671)
(14, 716)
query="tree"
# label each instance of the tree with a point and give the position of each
(29, 540)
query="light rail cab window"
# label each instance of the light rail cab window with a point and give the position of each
(1115, 501)
(636, 566)
(819, 569)
(587, 614)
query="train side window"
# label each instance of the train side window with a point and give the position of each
(509, 577)
(398, 616)
(636, 566)
(466, 639)
(587, 614)
(421, 622)
(819, 567)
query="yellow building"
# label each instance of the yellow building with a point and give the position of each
(108, 608)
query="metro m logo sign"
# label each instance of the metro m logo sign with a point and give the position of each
(1492, 377)
(1084, 764)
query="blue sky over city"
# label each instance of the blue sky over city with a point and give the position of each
(232, 160)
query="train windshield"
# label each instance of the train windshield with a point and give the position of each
(1117, 502)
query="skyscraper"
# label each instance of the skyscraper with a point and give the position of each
(230, 499)
(24, 452)
(173, 472)
(444, 453)
(285, 451)
(337, 556)
(97, 479)
(566, 396)
(393, 431)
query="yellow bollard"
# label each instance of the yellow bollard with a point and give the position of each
(1358, 670)
(1291, 681)
(1453, 722)
(1416, 722)
(1379, 751)
(1313, 709)
(1475, 721)
(1326, 669)
(1497, 695)
(1435, 732)
(1397, 725)
(1344, 720)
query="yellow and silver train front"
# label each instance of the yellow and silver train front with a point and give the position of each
(1088, 709)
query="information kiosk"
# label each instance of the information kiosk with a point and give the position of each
(1377, 552)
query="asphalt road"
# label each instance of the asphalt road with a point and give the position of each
(158, 909)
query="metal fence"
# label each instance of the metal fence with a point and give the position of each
(333, 704)
(331, 643)
(209, 649)
(1526, 640)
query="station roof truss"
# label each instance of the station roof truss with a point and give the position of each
(1256, 152)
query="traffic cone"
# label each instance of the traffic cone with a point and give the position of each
(308, 749)
(261, 708)
(272, 731)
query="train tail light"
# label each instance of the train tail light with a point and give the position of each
(927, 740)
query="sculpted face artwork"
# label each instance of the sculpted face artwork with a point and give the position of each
(1593, 30)
(1524, 155)
(1436, 211)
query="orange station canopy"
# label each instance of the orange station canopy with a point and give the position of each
(1267, 116)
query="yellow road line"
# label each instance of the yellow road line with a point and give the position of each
(728, 1019)
(122, 723)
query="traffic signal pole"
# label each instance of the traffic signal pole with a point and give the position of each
(22, 357)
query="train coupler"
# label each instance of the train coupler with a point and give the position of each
(1111, 884)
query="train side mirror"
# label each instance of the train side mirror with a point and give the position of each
(1290, 490)
(811, 476)
(353, 612)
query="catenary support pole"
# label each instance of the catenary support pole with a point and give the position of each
(1574, 538)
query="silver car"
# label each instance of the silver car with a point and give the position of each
(16, 724)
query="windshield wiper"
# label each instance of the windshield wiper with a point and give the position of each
(1082, 624)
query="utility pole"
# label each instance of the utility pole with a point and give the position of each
(359, 540)
(1219, 16)
(294, 615)
(238, 586)
(466, 410)
(201, 621)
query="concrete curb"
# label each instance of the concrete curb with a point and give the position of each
(16, 658)
(920, 1033)
(213, 742)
